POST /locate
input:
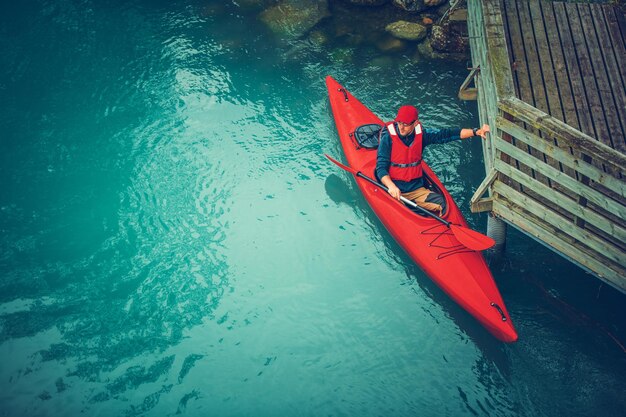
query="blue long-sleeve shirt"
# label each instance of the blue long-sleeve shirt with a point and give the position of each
(429, 137)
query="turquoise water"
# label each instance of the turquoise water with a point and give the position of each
(174, 242)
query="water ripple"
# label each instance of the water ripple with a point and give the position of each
(173, 240)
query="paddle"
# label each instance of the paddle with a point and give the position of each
(467, 237)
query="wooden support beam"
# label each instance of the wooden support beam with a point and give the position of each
(617, 231)
(571, 183)
(479, 204)
(566, 158)
(614, 275)
(558, 222)
(466, 93)
(557, 129)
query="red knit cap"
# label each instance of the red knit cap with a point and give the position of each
(406, 114)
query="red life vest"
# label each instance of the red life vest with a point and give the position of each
(406, 161)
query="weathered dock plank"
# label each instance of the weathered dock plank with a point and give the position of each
(572, 72)
(521, 73)
(587, 82)
(601, 76)
(559, 69)
(617, 41)
(617, 88)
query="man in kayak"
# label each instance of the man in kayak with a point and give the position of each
(399, 158)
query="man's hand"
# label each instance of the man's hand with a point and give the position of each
(394, 191)
(482, 132)
(392, 188)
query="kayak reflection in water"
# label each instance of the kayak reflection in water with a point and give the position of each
(399, 157)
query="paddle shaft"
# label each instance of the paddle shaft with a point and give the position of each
(404, 199)
(467, 237)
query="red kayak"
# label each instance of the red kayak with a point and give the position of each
(457, 269)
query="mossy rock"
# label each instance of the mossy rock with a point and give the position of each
(410, 5)
(318, 37)
(445, 39)
(409, 31)
(426, 50)
(293, 18)
(391, 45)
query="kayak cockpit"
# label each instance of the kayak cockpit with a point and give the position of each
(367, 136)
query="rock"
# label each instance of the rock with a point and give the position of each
(367, 2)
(425, 49)
(293, 18)
(318, 38)
(342, 30)
(344, 33)
(407, 30)
(444, 39)
(391, 45)
(355, 39)
(434, 3)
(417, 57)
(410, 5)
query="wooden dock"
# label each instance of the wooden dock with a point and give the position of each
(551, 79)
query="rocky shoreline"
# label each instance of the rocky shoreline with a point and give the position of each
(435, 29)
